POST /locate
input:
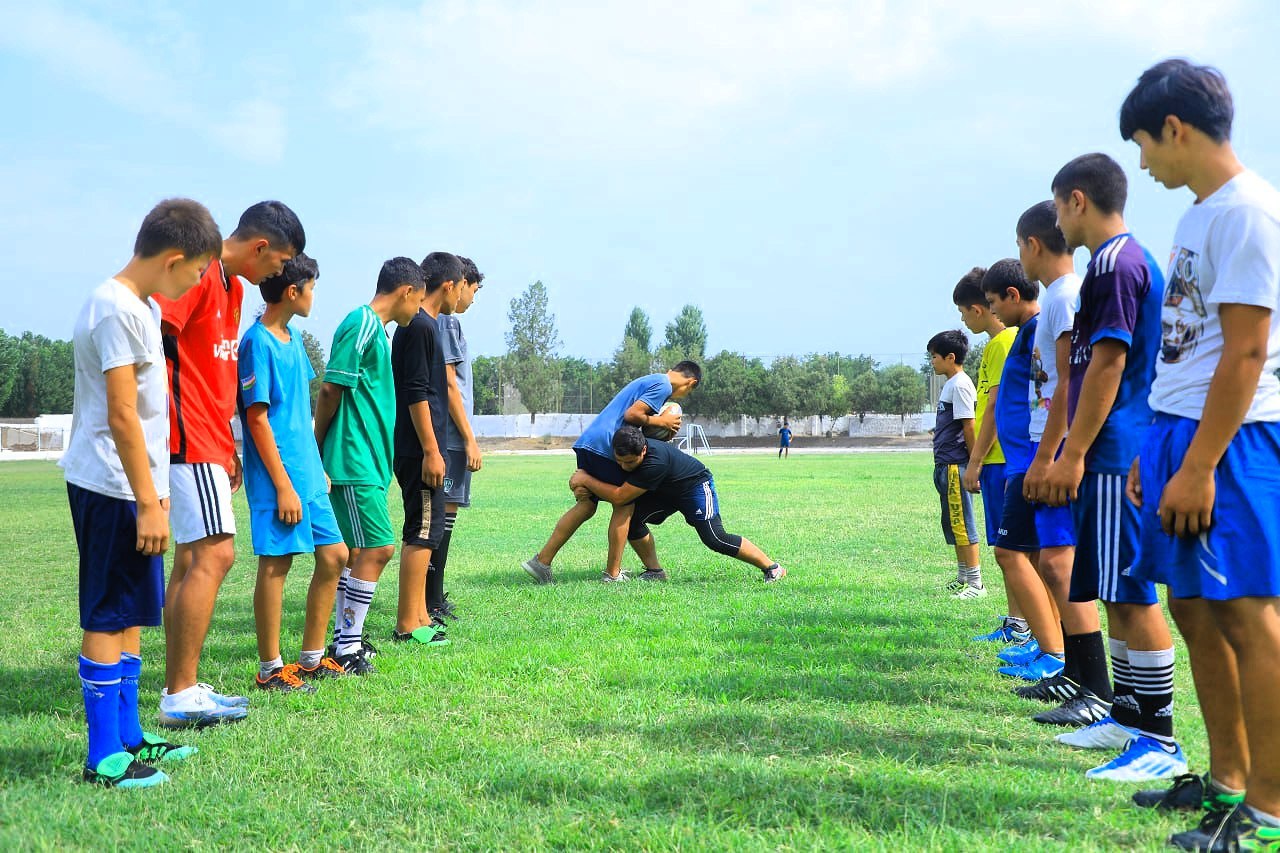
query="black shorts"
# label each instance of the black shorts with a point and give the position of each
(604, 470)
(423, 506)
(699, 503)
(120, 587)
(457, 479)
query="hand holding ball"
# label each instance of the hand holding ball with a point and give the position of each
(666, 423)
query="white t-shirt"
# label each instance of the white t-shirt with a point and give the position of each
(1057, 316)
(1226, 251)
(116, 328)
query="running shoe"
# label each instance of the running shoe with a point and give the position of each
(354, 663)
(540, 572)
(970, 592)
(223, 699)
(197, 709)
(1104, 734)
(1003, 634)
(1143, 760)
(122, 770)
(1053, 690)
(426, 635)
(1083, 709)
(1020, 653)
(953, 586)
(1242, 831)
(1187, 794)
(1043, 666)
(327, 668)
(620, 577)
(653, 575)
(1213, 831)
(155, 748)
(774, 574)
(284, 679)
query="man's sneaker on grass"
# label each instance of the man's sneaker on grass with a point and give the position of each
(953, 586)
(155, 748)
(653, 575)
(1243, 831)
(540, 572)
(1043, 666)
(284, 679)
(620, 577)
(1187, 794)
(1104, 734)
(1003, 634)
(1143, 760)
(1213, 831)
(354, 663)
(446, 608)
(971, 591)
(774, 573)
(426, 635)
(326, 668)
(1052, 691)
(1020, 653)
(122, 770)
(1083, 709)
(196, 707)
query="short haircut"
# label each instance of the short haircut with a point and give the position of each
(689, 369)
(274, 221)
(1008, 273)
(1041, 221)
(470, 271)
(1196, 94)
(178, 224)
(1100, 178)
(951, 342)
(628, 441)
(968, 290)
(398, 272)
(439, 267)
(298, 270)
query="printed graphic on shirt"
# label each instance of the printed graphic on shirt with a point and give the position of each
(1039, 376)
(1183, 315)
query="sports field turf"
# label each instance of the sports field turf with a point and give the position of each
(843, 708)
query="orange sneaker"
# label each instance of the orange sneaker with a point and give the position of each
(327, 668)
(284, 680)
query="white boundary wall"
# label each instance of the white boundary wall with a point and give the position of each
(553, 424)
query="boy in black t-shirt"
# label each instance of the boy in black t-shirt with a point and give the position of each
(662, 481)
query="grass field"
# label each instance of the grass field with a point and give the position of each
(842, 708)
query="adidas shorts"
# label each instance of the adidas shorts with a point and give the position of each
(1106, 544)
(363, 516)
(199, 501)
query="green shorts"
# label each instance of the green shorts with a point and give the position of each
(362, 515)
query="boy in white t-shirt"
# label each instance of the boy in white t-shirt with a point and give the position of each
(1208, 476)
(953, 438)
(117, 471)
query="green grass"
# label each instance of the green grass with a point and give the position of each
(842, 708)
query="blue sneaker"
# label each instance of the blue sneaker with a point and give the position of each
(1003, 634)
(1044, 666)
(223, 699)
(1020, 653)
(1143, 760)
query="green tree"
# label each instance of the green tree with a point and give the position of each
(315, 355)
(864, 393)
(783, 386)
(902, 392)
(485, 370)
(973, 360)
(686, 337)
(835, 404)
(639, 329)
(10, 358)
(731, 385)
(532, 347)
(44, 382)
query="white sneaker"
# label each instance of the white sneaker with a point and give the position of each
(195, 708)
(1143, 760)
(1104, 734)
(970, 591)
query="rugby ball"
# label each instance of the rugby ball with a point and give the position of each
(662, 433)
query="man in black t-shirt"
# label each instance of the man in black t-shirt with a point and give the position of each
(662, 481)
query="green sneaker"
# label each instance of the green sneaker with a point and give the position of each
(1251, 835)
(427, 635)
(122, 770)
(155, 748)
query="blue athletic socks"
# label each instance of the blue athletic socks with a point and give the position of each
(100, 684)
(130, 726)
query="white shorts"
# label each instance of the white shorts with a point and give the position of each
(199, 501)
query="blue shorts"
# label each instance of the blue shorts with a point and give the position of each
(1029, 527)
(698, 504)
(273, 538)
(1106, 544)
(120, 587)
(992, 480)
(1240, 555)
(604, 470)
(958, 527)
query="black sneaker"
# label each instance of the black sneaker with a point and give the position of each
(653, 575)
(1186, 795)
(1213, 831)
(122, 770)
(1052, 691)
(284, 679)
(447, 608)
(368, 649)
(355, 663)
(1083, 709)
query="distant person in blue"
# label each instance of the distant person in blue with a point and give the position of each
(1114, 344)
(784, 440)
(284, 480)
(637, 404)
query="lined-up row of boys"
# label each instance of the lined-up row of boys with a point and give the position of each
(159, 375)
(1163, 439)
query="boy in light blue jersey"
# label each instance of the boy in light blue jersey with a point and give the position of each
(284, 479)
(637, 404)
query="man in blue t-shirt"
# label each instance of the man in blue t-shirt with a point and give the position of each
(661, 481)
(637, 404)
(1114, 344)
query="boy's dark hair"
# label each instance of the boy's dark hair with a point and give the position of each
(951, 342)
(1041, 221)
(274, 221)
(1100, 178)
(628, 441)
(398, 272)
(178, 224)
(968, 290)
(689, 369)
(1008, 273)
(470, 271)
(297, 270)
(1196, 94)
(439, 267)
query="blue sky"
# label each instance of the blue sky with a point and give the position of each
(814, 175)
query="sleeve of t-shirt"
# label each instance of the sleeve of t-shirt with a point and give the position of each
(964, 402)
(1115, 298)
(255, 369)
(450, 331)
(344, 356)
(1246, 259)
(120, 339)
(656, 392)
(176, 312)
(414, 362)
(1059, 318)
